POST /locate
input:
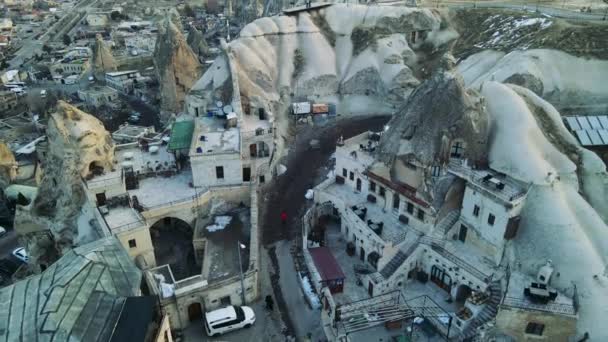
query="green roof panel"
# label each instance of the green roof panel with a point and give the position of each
(181, 135)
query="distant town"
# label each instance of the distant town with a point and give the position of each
(303, 171)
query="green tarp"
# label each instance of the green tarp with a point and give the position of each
(181, 135)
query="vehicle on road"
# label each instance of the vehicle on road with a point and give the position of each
(21, 254)
(228, 319)
(43, 93)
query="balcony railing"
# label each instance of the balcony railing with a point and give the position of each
(558, 308)
(436, 245)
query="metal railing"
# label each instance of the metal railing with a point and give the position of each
(93, 183)
(558, 308)
(260, 132)
(436, 245)
(128, 226)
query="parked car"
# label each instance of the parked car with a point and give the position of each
(228, 319)
(2, 231)
(21, 254)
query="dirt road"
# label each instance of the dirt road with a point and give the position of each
(287, 193)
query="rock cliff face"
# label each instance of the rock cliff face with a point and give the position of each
(8, 166)
(177, 66)
(77, 144)
(438, 114)
(103, 61)
(364, 59)
(197, 42)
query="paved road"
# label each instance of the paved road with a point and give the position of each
(31, 46)
(262, 330)
(8, 243)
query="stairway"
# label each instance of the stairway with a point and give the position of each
(447, 222)
(488, 312)
(393, 265)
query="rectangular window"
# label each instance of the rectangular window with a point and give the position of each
(132, 243)
(219, 172)
(535, 328)
(382, 191)
(344, 173)
(491, 219)
(351, 176)
(420, 215)
(476, 211)
(372, 186)
(396, 201)
(410, 208)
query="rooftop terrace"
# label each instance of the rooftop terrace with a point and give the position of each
(500, 186)
(212, 137)
(392, 230)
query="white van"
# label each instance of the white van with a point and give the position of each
(227, 319)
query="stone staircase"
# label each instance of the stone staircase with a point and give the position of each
(447, 222)
(393, 265)
(487, 314)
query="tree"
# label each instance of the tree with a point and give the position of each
(67, 40)
(189, 11)
(115, 15)
(47, 49)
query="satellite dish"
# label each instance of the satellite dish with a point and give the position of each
(219, 104)
(227, 109)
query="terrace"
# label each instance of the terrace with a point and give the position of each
(495, 184)
(214, 136)
(383, 225)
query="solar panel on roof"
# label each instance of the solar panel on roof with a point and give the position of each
(604, 135)
(582, 120)
(603, 120)
(595, 123)
(583, 138)
(572, 123)
(595, 137)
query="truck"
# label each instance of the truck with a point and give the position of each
(320, 108)
(301, 108)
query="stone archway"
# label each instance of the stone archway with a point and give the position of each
(195, 312)
(462, 293)
(172, 242)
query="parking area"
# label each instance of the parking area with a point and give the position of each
(265, 328)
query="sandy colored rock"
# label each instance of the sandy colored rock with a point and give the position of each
(103, 61)
(176, 65)
(77, 143)
(8, 165)
(197, 42)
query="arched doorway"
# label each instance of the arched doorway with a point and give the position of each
(462, 293)
(172, 242)
(195, 312)
(441, 278)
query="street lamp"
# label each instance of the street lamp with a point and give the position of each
(240, 246)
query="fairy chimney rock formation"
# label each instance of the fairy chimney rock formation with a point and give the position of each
(78, 145)
(197, 42)
(177, 66)
(103, 61)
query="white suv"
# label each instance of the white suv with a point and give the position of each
(227, 319)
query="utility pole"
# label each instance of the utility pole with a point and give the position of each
(239, 246)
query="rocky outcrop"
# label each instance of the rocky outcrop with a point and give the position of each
(8, 165)
(364, 59)
(176, 65)
(197, 42)
(103, 61)
(438, 114)
(78, 144)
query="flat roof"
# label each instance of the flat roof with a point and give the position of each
(326, 264)
(181, 135)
